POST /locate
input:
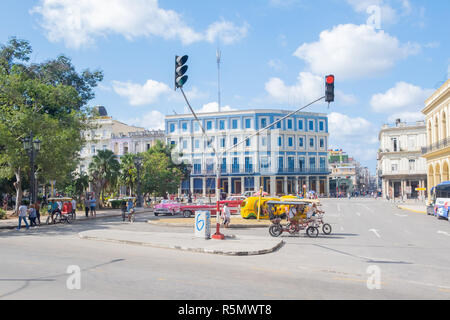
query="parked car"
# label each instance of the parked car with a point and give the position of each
(167, 207)
(234, 203)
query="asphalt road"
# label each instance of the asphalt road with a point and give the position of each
(376, 251)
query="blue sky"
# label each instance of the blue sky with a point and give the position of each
(388, 56)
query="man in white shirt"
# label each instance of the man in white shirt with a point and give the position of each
(226, 215)
(23, 210)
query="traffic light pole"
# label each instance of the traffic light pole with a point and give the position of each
(218, 235)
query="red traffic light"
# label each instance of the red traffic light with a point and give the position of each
(330, 79)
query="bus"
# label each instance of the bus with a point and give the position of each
(440, 200)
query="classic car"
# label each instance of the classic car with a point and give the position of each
(167, 207)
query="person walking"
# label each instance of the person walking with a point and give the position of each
(32, 215)
(226, 215)
(37, 207)
(23, 215)
(87, 204)
(74, 207)
(93, 204)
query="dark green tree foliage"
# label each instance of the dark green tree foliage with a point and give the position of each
(48, 99)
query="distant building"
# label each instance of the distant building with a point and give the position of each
(282, 160)
(437, 151)
(99, 138)
(401, 167)
(135, 142)
(343, 173)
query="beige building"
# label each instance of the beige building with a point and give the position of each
(401, 166)
(99, 137)
(437, 151)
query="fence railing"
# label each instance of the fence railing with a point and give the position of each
(436, 146)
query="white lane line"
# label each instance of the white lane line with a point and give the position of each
(376, 232)
(443, 232)
(401, 215)
(339, 207)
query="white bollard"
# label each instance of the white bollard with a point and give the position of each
(202, 224)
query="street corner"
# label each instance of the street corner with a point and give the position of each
(232, 245)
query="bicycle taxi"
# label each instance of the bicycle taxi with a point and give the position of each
(65, 215)
(128, 213)
(301, 214)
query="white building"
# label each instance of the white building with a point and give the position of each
(99, 137)
(135, 142)
(400, 164)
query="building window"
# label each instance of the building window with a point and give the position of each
(278, 124)
(184, 126)
(234, 124)
(289, 124)
(280, 142)
(322, 163)
(311, 142)
(321, 126)
(300, 125)
(263, 141)
(280, 162)
(248, 123)
(394, 167)
(291, 142)
(197, 144)
(311, 125)
(394, 142)
(322, 143)
(184, 144)
(301, 142)
(301, 164)
(412, 165)
(263, 123)
(172, 128)
(223, 142)
(209, 125)
(222, 124)
(247, 142)
(196, 127)
(312, 163)
(265, 163)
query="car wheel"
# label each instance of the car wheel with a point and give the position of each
(187, 214)
(156, 214)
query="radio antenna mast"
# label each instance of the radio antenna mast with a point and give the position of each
(219, 57)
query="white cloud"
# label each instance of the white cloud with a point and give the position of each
(357, 136)
(276, 64)
(308, 88)
(351, 52)
(407, 116)
(78, 23)
(153, 120)
(139, 95)
(404, 97)
(213, 107)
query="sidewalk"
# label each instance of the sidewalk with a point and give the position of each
(101, 214)
(232, 245)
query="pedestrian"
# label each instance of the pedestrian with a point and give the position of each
(87, 204)
(23, 215)
(37, 207)
(92, 205)
(32, 215)
(226, 215)
(74, 207)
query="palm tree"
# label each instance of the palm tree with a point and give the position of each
(103, 171)
(128, 172)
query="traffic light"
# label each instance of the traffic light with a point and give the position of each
(180, 70)
(329, 88)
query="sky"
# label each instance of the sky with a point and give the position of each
(388, 56)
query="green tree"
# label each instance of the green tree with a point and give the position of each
(128, 172)
(104, 171)
(47, 99)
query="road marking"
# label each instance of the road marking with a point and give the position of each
(376, 232)
(401, 215)
(358, 214)
(339, 207)
(443, 232)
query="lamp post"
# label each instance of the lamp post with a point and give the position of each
(32, 147)
(138, 164)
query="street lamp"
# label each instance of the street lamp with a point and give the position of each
(138, 164)
(32, 147)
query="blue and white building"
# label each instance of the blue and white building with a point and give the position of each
(288, 157)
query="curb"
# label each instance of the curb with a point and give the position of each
(185, 225)
(197, 250)
(412, 210)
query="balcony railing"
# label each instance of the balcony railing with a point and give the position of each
(436, 146)
(236, 169)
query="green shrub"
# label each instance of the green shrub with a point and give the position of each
(2, 214)
(115, 204)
